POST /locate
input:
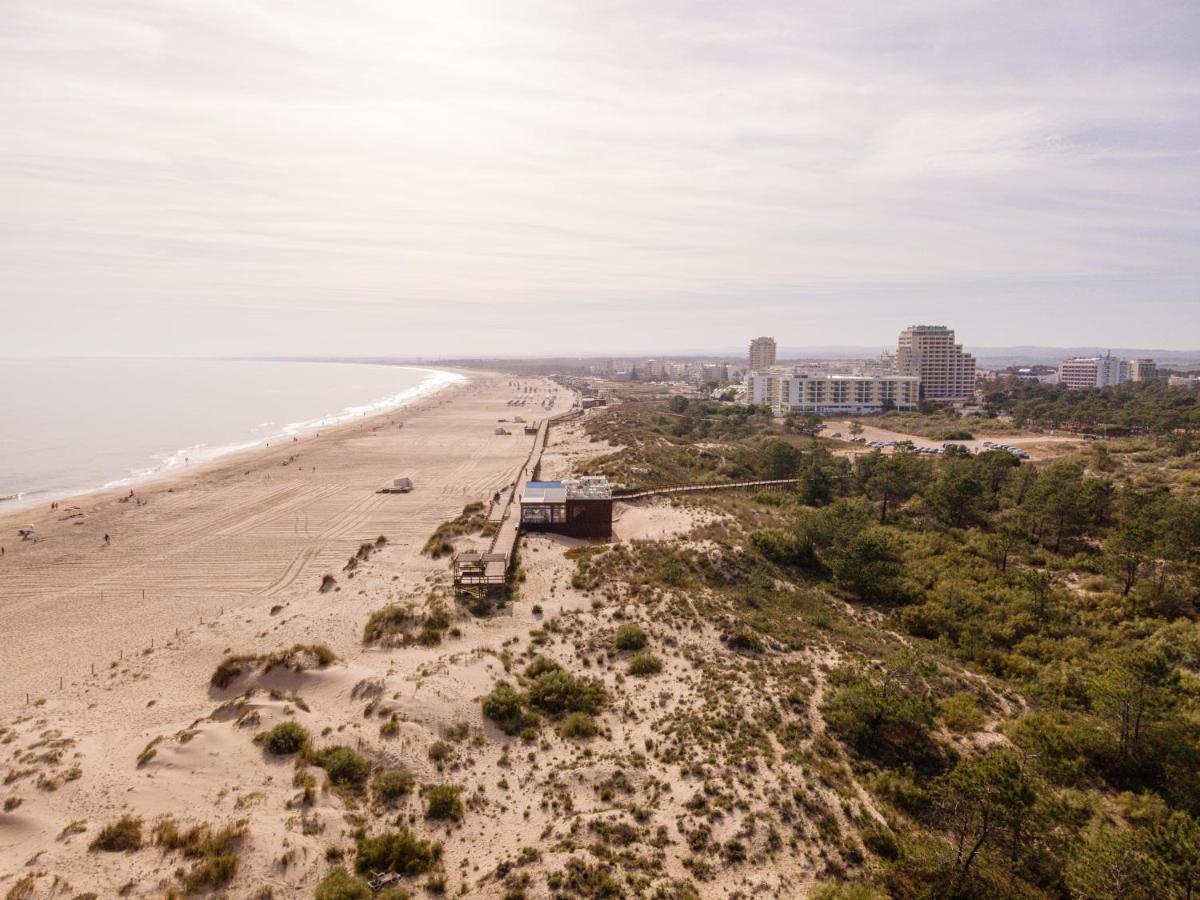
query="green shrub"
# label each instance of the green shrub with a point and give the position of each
(345, 768)
(125, 834)
(284, 738)
(540, 666)
(580, 879)
(396, 851)
(746, 641)
(341, 885)
(579, 725)
(645, 664)
(630, 637)
(429, 637)
(389, 785)
(879, 840)
(961, 712)
(443, 803)
(505, 707)
(556, 693)
(884, 721)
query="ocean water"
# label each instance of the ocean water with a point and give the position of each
(70, 425)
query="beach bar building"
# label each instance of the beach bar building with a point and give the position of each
(577, 507)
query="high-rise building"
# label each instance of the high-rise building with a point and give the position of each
(1079, 372)
(1143, 370)
(762, 354)
(928, 352)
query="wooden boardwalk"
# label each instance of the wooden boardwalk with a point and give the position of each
(687, 488)
(505, 539)
(491, 569)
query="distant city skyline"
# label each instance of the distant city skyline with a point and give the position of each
(458, 179)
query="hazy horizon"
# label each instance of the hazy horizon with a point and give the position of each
(459, 179)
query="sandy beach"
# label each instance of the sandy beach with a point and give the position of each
(227, 556)
(243, 530)
(231, 559)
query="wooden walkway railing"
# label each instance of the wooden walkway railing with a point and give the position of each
(634, 493)
(493, 570)
(505, 537)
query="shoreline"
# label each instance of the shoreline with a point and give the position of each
(250, 525)
(260, 452)
(434, 382)
(111, 649)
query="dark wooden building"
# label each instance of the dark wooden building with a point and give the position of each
(577, 507)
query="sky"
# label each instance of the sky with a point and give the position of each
(451, 178)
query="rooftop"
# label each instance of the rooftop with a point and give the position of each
(583, 487)
(544, 492)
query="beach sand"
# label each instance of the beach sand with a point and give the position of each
(230, 558)
(245, 530)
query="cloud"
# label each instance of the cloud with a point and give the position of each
(655, 175)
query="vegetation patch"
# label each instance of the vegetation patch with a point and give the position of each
(644, 665)
(630, 637)
(298, 658)
(579, 726)
(284, 739)
(345, 768)
(442, 802)
(472, 520)
(341, 885)
(398, 851)
(214, 850)
(390, 785)
(121, 836)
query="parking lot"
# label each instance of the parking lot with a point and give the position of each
(1024, 446)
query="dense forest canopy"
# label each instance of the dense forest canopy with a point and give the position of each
(1150, 407)
(1071, 586)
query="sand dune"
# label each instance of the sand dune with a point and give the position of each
(242, 545)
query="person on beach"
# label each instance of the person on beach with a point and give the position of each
(107, 540)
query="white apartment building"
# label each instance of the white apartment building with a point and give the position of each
(1040, 374)
(1080, 372)
(832, 394)
(929, 353)
(762, 354)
